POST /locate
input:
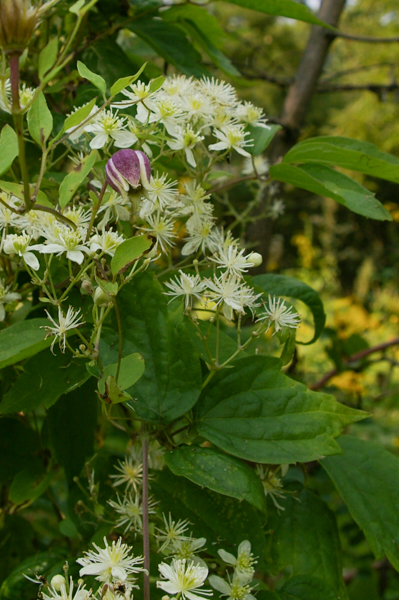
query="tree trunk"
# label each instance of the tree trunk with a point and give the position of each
(296, 106)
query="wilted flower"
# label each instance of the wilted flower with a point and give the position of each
(128, 169)
(66, 323)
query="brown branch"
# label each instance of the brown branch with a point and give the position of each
(351, 359)
(363, 38)
(377, 88)
(339, 74)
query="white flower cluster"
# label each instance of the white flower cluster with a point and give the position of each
(238, 585)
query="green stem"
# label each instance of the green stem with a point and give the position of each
(95, 210)
(18, 124)
(120, 348)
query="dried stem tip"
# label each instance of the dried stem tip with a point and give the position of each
(18, 20)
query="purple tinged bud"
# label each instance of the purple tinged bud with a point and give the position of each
(128, 169)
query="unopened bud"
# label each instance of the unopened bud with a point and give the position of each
(87, 287)
(255, 258)
(18, 21)
(57, 581)
(128, 169)
(101, 298)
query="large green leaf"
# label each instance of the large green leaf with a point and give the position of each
(218, 472)
(171, 382)
(8, 148)
(29, 484)
(71, 424)
(223, 521)
(308, 588)
(255, 412)
(227, 346)
(40, 120)
(367, 477)
(170, 42)
(16, 585)
(18, 446)
(347, 153)
(75, 178)
(22, 340)
(325, 181)
(282, 8)
(305, 539)
(206, 22)
(283, 285)
(44, 379)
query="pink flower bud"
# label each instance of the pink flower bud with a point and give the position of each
(128, 169)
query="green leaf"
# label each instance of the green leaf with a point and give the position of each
(71, 424)
(16, 585)
(309, 588)
(8, 148)
(170, 43)
(17, 189)
(29, 484)
(257, 413)
(47, 57)
(22, 340)
(305, 539)
(326, 181)
(262, 138)
(218, 472)
(44, 379)
(367, 477)
(75, 178)
(129, 251)
(40, 120)
(226, 345)
(282, 8)
(123, 82)
(224, 522)
(156, 83)
(283, 285)
(206, 22)
(78, 116)
(216, 55)
(346, 153)
(171, 382)
(18, 445)
(132, 368)
(95, 79)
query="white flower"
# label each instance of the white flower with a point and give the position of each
(108, 125)
(173, 532)
(66, 323)
(218, 91)
(5, 298)
(233, 260)
(107, 241)
(8, 218)
(186, 139)
(276, 209)
(111, 562)
(232, 293)
(161, 193)
(243, 564)
(167, 112)
(272, 484)
(183, 578)
(137, 92)
(188, 286)
(232, 137)
(131, 474)
(163, 230)
(114, 206)
(279, 315)
(25, 95)
(60, 240)
(59, 591)
(177, 86)
(200, 237)
(255, 165)
(19, 244)
(237, 589)
(195, 201)
(78, 216)
(187, 549)
(251, 115)
(131, 511)
(197, 106)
